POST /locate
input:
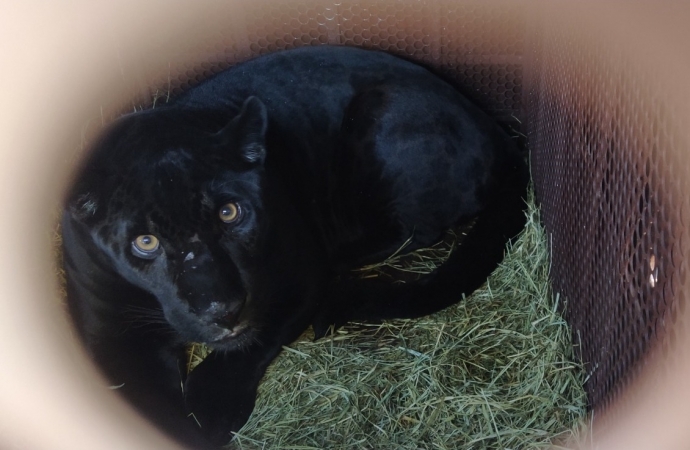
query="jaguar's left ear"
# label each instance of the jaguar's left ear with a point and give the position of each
(84, 207)
(247, 131)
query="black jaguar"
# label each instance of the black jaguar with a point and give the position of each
(234, 214)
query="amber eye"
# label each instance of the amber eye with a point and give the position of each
(229, 212)
(145, 245)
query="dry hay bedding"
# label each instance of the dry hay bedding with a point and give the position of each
(494, 371)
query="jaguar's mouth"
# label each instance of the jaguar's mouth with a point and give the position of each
(230, 334)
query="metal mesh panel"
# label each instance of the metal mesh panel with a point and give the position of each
(475, 45)
(603, 141)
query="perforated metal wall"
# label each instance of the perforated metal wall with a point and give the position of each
(607, 162)
(607, 153)
(477, 45)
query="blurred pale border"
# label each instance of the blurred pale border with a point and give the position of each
(56, 59)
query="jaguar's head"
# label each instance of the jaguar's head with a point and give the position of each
(174, 205)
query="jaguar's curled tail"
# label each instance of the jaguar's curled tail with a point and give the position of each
(466, 269)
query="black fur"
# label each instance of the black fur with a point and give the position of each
(335, 157)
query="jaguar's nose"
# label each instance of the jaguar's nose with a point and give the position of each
(222, 314)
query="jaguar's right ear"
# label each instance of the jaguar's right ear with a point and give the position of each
(246, 132)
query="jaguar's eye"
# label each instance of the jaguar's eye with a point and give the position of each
(229, 212)
(145, 245)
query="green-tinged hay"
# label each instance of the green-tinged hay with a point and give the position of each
(420, 262)
(401, 266)
(494, 371)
